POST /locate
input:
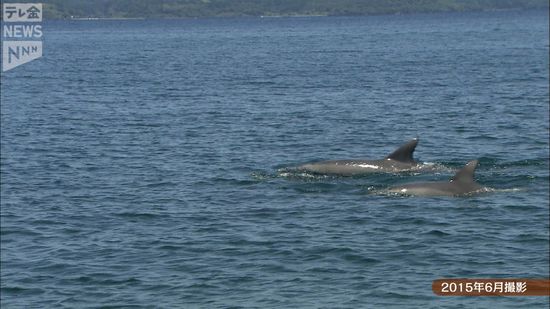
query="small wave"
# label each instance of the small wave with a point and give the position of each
(523, 163)
(357, 258)
(17, 290)
(383, 192)
(437, 233)
(137, 215)
(294, 173)
(19, 231)
(105, 280)
(289, 174)
(506, 190)
(160, 184)
(434, 167)
(261, 175)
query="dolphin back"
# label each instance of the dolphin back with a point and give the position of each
(405, 152)
(461, 184)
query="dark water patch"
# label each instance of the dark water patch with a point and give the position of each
(522, 208)
(19, 232)
(71, 231)
(536, 162)
(263, 213)
(437, 233)
(323, 270)
(361, 260)
(170, 248)
(238, 182)
(47, 222)
(161, 184)
(17, 291)
(139, 216)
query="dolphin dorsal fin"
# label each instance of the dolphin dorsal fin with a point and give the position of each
(405, 152)
(466, 174)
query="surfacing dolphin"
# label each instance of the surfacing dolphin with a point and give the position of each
(461, 184)
(400, 160)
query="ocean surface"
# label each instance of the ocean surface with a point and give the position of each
(142, 162)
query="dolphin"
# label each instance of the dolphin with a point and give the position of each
(462, 183)
(398, 161)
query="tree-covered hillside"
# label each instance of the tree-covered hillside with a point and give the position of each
(211, 8)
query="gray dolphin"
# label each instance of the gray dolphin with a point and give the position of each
(462, 183)
(398, 161)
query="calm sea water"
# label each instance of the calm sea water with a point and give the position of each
(139, 162)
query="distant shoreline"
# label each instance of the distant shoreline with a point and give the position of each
(101, 18)
(289, 15)
(192, 9)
